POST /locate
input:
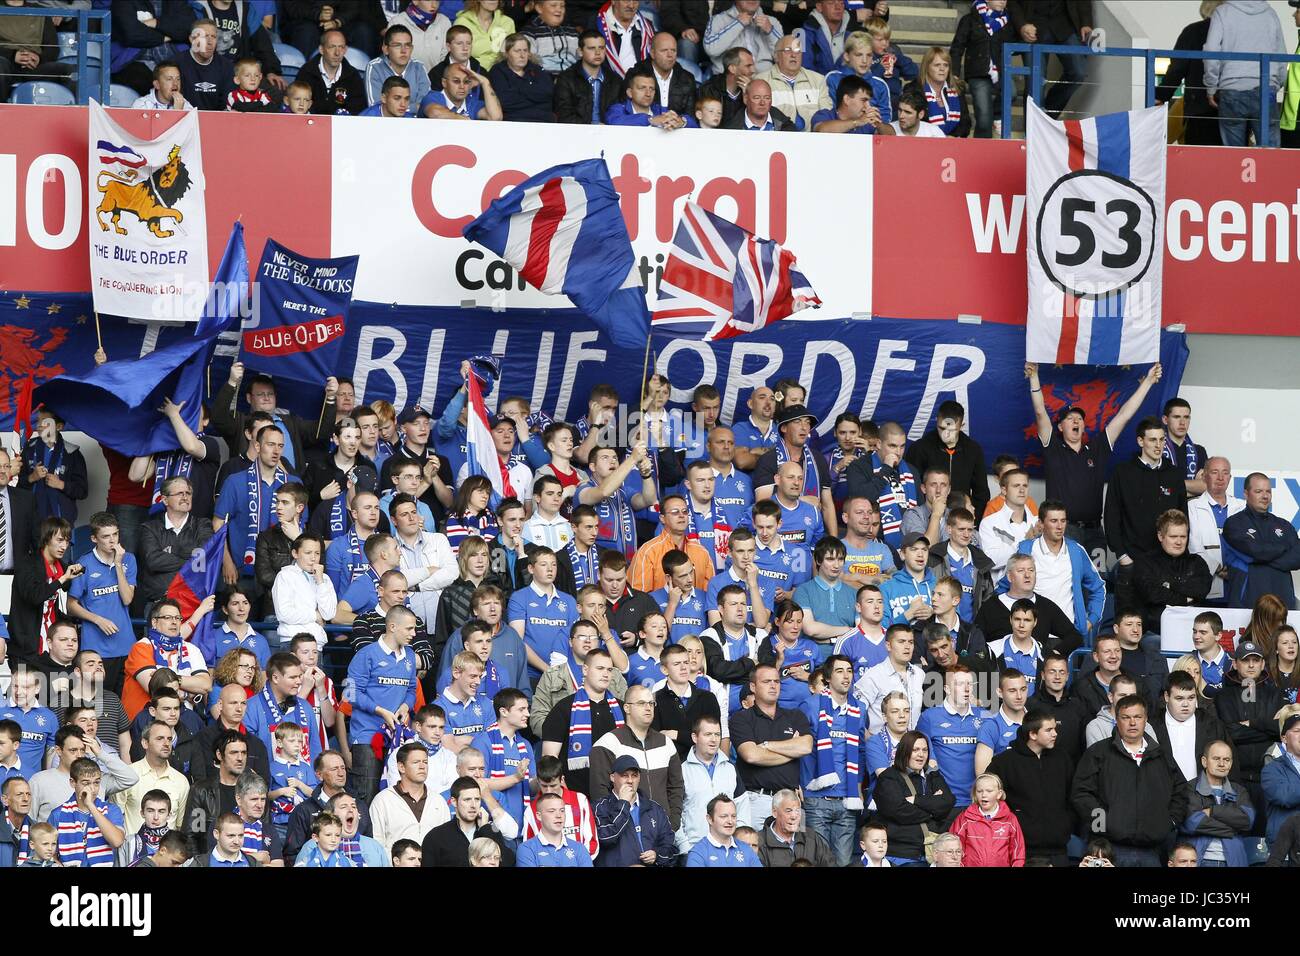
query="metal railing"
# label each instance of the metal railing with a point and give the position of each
(1034, 55)
(93, 26)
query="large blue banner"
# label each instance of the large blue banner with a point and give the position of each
(297, 330)
(883, 369)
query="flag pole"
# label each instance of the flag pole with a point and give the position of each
(99, 335)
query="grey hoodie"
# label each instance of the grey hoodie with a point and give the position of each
(1243, 26)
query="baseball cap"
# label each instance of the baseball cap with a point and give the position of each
(1247, 649)
(1072, 410)
(496, 420)
(411, 413)
(624, 764)
(912, 537)
(1290, 722)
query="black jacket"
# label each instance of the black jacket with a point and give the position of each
(252, 40)
(670, 714)
(973, 50)
(1161, 581)
(1071, 719)
(348, 12)
(1271, 550)
(305, 813)
(684, 15)
(1038, 793)
(1286, 845)
(1208, 728)
(160, 553)
(1143, 663)
(994, 619)
(716, 87)
(446, 844)
(202, 808)
(347, 96)
(621, 845)
(529, 98)
(984, 587)
(31, 590)
(76, 484)
(806, 845)
(681, 86)
(1058, 15)
(203, 764)
(903, 819)
(303, 435)
(720, 669)
(1257, 706)
(782, 122)
(1090, 695)
(1135, 498)
(22, 530)
(573, 94)
(274, 551)
(173, 24)
(1129, 803)
(965, 466)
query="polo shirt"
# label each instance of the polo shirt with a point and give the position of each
(823, 116)
(953, 738)
(97, 592)
(747, 434)
(362, 595)
(1027, 662)
(873, 558)
(801, 525)
(377, 110)
(1213, 672)
(751, 725)
(795, 692)
(865, 652)
(38, 725)
(689, 618)
(471, 106)
(997, 732)
(963, 571)
(780, 568)
(539, 853)
(1077, 478)
(228, 640)
(734, 855)
(214, 860)
(546, 619)
(465, 719)
(830, 603)
(512, 798)
(553, 533)
(727, 578)
(643, 669)
(734, 494)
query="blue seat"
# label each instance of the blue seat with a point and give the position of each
(291, 60)
(692, 69)
(358, 58)
(80, 542)
(68, 49)
(42, 93)
(121, 96)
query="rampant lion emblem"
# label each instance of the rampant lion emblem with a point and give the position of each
(150, 201)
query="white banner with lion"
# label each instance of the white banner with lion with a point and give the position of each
(148, 230)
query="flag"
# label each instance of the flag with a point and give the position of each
(148, 231)
(563, 231)
(23, 409)
(197, 580)
(480, 451)
(301, 318)
(720, 281)
(1096, 201)
(117, 403)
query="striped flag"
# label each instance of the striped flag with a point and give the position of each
(481, 452)
(563, 231)
(196, 581)
(1096, 198)
(122, 155)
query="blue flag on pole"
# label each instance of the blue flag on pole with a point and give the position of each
(563, 231)
(196, 580)
(301, 318)
(117, 403)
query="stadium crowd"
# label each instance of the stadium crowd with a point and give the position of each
(825, 66)
(727, 644)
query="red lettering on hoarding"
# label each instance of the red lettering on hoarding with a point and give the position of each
(629, 183)
(294, 339)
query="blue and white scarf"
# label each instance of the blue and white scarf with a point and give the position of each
(943, 110)
(175, 464)
(314, 857)
(351, 848)
(49, 501)
(840, 481)
(357, 563)
(586, 567)
(339, 518)
(580, 726)
(298, 714)
(418, 17)
(721, 531)
(496, 760)
(993, 23)
(147, 845)
(811, 485)
(1194, 460)
(254, 479)
(825, 772)
(254, 843)
(169, 652)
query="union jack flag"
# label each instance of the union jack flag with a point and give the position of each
(721, 282)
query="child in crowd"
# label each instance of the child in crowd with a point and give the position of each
(297, 98)
(989, 832)
(44, 843)
(708, 112)
(292, 778)
(247, 96)
(873, 839)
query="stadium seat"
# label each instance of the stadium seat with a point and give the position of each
(291, 60)
(692, 69)
(358, 59)
(121, 96)
(42, 93)
(68, 49)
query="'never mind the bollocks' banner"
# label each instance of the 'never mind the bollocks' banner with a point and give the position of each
(298, 327)
(148, 225)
